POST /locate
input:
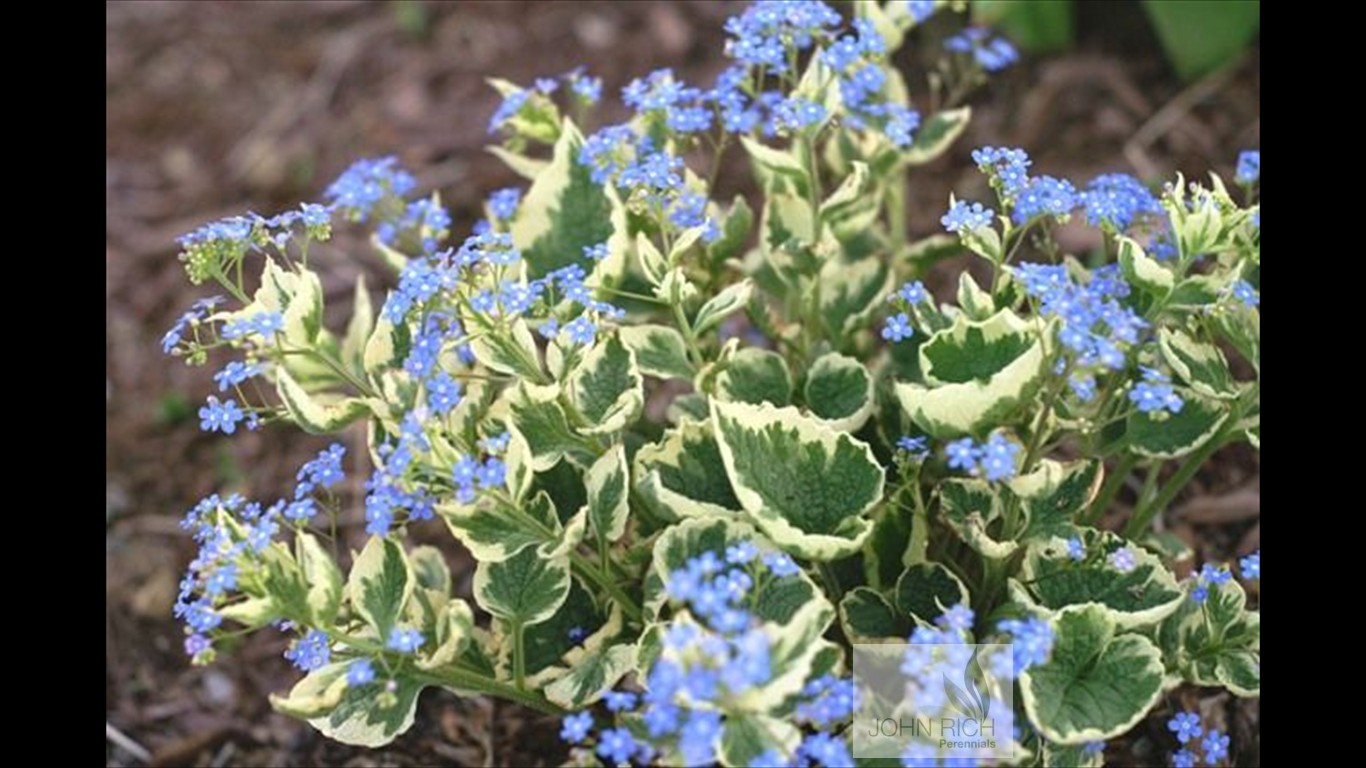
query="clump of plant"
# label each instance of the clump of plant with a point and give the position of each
(697, 449)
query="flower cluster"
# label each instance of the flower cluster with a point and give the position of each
(992, 53)
(1154, 394)
(1251, 566)
(1210, 576)
(1094, 326)
(1031, 640)
(715, 651)
(995, 459)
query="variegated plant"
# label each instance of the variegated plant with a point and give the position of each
(618, 386)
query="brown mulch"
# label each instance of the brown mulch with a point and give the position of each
(213, 108)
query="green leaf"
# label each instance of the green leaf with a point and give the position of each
(1071, 756)
(541, 420)
(355, 715)
(380, 584)
(1141, 597)
(977, 373)
(652, 262)
(1217, 642)
(358, 329)
(386, 347)
(660, 351)
(936, 136)
(683, 474)
(1201, 35)
(317, 414)
(755, 375)
(607, 388)
(592, 676)
(748, 736)
(1054, 493)
(839, 390)
(608, 482)
(1142, 270)
(1179, 433)
(854, 205)
(851, 293)
(550, 650)
(808, 487)
(430, 569)
(509, 349)
(926, 590)
(563, 211)
(526, 588)
(866, 615)
(323, 577)
(730, 300)
(253, 612)
(1200, 366)
(493, 534)
(973, 509)
(1097, 685)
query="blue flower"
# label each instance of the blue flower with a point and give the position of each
(512, 104)
(1249, 166)
(325, 469)
(781, 565)
(443, 393)
(957, 618)
(596, 252)
(962, 454)
(581, 330)
(220, 417)
(1117, 200)
(1215, 745)
(741, 553)
(616, 745)
(1183, 758)
(404, 640)
(363, 186)
(574, 728)
(1007, 168)
(898, 328)
(503, 203)
(310, 651)
(1155, 399)
(1075, 549)
(1084, 387)
(917, 447)
(1123, 560)
(991, 53)
(698, 738)
(1244, 292)
(1186, 726)
(588, 89)
(998, 457)
(913, 293)
(966, 217)
(829, 751)
(1251, 566)
(770, 758)
(360, 672)
(920, 9)
(196, 644)
(1031, 640)
(234, 373)
(1044, 196)
(619, 701)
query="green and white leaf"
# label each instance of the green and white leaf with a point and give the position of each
(1097, 685)
(839, 391)
(852, 293)
(526, 588)
(973, 509)
(1198, 421)
(1140, 597)
(936, 136)
(808, 487)
(775, 169)
(323, 577)
(755, 375)
(358, 328)
(1054, 493)
(660, 351)
(380, 584)
(1218, 642)
(354, 715)
(592, 676)
(926, 590)
(866, 615)
(541, 420)
(976, 303)
(1142, 270)
(492, 534)
(607, 388)
(609, 484)
(683, 475)
(563, 211)
(733, 298)
(528, 168)
(977, 373)
(748, 736)
(319, 413)
(509, 349)
(1200, 366)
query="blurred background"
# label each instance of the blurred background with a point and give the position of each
(216, 108)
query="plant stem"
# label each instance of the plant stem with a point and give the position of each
(1145, 512)
(519, 655)
(681, 319)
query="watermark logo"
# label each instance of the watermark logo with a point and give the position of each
(933, 701)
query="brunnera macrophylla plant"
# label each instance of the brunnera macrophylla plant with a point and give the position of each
(698, 447)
